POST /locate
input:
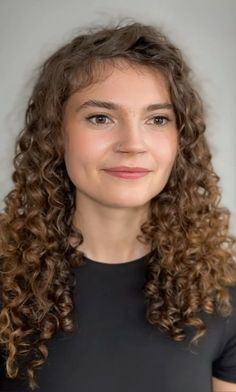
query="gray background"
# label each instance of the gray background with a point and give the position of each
(204, 29)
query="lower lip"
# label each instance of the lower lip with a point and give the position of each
(128, 175)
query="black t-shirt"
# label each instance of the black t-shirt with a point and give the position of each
(114, 349)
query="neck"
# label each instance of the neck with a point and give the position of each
(110, 233)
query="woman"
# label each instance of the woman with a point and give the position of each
(117, 266)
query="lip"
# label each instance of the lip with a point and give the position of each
(128, 169)
(127, 175)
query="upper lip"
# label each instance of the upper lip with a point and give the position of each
(128, 169)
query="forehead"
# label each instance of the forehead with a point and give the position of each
(121, 76)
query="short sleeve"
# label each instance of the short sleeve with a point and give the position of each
(224, 366)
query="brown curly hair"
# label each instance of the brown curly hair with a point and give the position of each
(194, 260)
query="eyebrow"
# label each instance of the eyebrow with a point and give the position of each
(115, 106)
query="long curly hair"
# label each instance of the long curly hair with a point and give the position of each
(194, 257)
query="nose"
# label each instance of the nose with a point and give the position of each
(130, 138)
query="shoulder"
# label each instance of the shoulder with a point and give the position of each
(224, 366)
(232, 292)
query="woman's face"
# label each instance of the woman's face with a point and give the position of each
(147, 136)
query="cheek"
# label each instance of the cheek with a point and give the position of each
(74, 154)
(165, 150)
(84, 144)
(81, 154)
(76, 147)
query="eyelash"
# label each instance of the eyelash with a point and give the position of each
(105, 116)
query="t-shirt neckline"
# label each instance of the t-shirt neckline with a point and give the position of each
(119, 265)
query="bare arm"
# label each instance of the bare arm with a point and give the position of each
(222, 386)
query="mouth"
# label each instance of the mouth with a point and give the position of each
(127, 174)
(127, 169)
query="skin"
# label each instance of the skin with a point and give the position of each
(222, 386)
(110, 210)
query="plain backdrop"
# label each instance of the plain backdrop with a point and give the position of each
(30, 30)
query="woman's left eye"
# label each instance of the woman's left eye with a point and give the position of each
(160, 120)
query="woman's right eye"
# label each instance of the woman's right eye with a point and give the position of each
(99, 117)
